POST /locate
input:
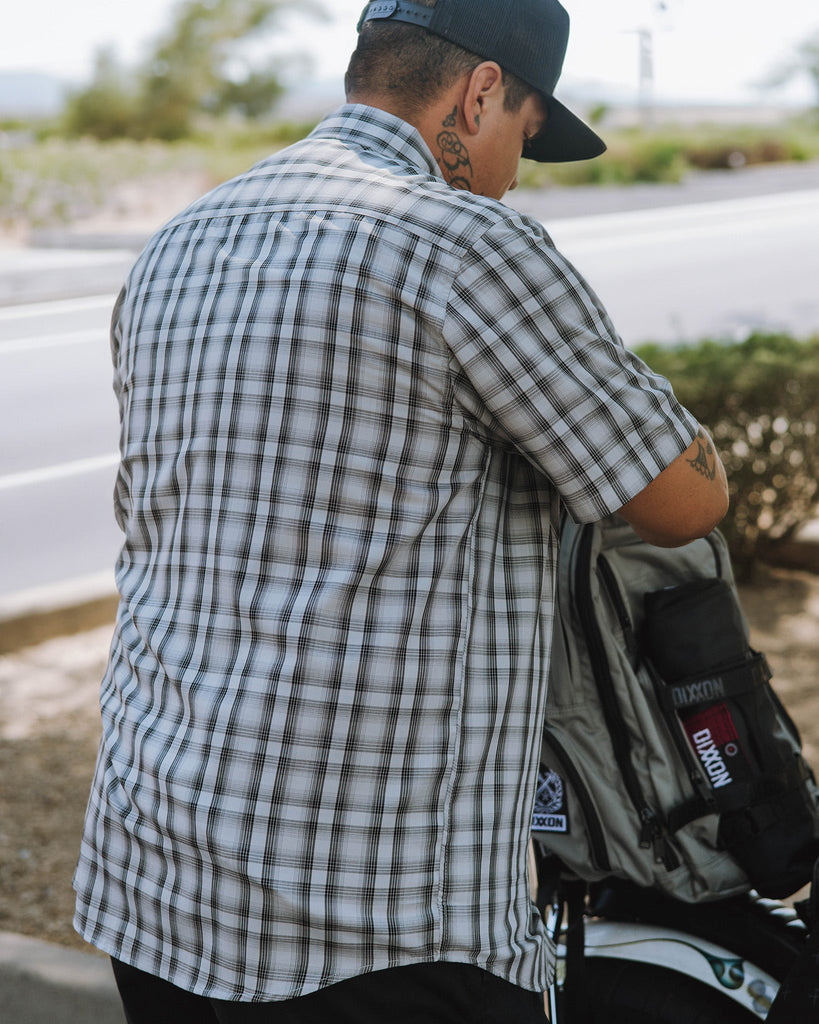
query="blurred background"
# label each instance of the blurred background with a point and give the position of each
(699, 230)
(698, 227)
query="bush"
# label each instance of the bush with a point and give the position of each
(669, 152)
(629, 159)
(758, 399)
(741, 148)
(104, 110)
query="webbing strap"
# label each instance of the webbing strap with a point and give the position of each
(731, 681)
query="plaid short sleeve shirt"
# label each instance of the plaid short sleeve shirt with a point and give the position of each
(352, 402)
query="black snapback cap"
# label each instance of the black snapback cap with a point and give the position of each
(527, 38)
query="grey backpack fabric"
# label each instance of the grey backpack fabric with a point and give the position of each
(667, 759)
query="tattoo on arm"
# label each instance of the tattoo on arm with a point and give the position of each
(705, 461)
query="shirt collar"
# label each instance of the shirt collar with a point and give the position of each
(371, 128)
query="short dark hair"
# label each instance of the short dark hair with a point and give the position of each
(416, 66)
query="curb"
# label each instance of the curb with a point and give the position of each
(32, 616)
(41, 983)
(132, 241)
(800, 555)
(42, 613)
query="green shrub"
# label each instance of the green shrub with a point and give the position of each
(104, 110)
(629, 159)
(668, 152)
(758, 398)
(741, 148)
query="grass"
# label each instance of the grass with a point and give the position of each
(52, 180)
(667, 154)
(47, 180)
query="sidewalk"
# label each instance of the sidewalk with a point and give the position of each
(42, 275)
(41, 983)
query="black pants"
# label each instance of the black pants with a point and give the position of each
(437, 993)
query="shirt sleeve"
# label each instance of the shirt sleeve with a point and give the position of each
(538, 362)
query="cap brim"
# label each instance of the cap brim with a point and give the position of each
(565, 137)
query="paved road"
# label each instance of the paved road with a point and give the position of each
(58, 421)
(710, 264)
(697, 187)
(716, 269)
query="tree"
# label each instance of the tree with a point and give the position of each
(105, 109)
(188, 71)
(254, 96)
(194, 69)
(805, 62)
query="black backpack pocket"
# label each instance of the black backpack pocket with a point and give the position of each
(718, 691)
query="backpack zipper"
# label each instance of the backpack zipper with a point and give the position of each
(652, 832)
(700, 786)
(618, 603)
(594, 827)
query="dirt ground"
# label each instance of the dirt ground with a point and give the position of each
(49, 730)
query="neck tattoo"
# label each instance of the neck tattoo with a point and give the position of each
(454, 158)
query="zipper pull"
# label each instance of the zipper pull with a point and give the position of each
(652, 836)
(665, 854)
(648, 828)
(703, 789)
(620, 607)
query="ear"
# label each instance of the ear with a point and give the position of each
(484, 87)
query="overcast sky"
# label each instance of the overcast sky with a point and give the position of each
(703, 49)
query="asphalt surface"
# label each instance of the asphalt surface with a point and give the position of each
(41, 983)
(72, 263)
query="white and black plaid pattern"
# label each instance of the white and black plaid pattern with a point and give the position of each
(352, 399)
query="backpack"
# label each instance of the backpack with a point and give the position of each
(667, 759)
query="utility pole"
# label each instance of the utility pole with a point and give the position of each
(645, 75)
(645, 64)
